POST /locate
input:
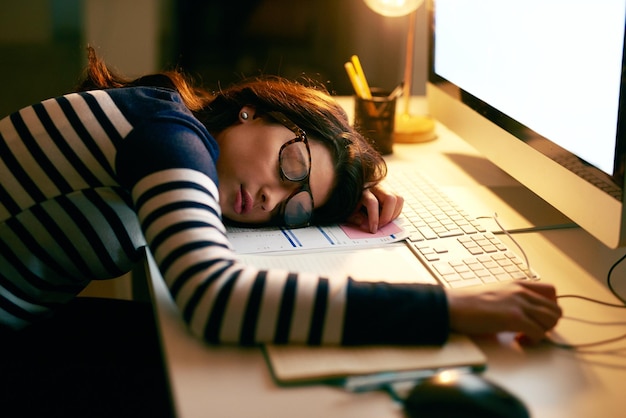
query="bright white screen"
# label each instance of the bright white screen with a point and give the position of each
(554, 66)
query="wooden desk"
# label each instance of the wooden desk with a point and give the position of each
(235, 382)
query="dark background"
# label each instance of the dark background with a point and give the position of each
(42, 42)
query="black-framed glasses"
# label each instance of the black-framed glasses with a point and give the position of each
(294, 160)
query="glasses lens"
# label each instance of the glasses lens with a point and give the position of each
(298, 209)
(294, 161)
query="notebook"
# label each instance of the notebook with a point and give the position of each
(329, 364)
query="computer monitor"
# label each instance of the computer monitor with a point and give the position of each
(537, 86)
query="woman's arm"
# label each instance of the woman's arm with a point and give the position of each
(226, 301)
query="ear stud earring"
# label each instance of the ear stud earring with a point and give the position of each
(244, 115)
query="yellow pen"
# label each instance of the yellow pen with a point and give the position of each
(354, 79)
(367, 94)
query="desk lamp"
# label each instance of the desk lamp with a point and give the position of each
(409, 128)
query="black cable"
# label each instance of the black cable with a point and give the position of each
(585, 345)
(608, 281)
(610, 284)
(588, 299)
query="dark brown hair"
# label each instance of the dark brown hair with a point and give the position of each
(307, 104)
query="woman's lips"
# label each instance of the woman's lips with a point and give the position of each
(243, 202)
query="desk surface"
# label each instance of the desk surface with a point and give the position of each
(553, 382)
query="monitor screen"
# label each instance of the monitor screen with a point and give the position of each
(535, 86)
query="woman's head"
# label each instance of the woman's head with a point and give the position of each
(342, 161)
(269, 170)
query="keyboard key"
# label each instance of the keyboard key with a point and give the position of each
(520, 275)
(468, 229)
(444, 268)
(427, 232)
(489, 279)
(451, 233)
(467, 275)
(489, 248)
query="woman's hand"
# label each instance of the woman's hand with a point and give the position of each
(528, 308)
(377, 208)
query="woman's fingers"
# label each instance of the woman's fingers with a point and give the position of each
(391, 205)
(526, 307)
(376, 208)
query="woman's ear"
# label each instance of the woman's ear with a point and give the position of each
(247, 113)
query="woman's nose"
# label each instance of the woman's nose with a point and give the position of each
(271, 197)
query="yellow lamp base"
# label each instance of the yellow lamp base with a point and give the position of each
(412, 129)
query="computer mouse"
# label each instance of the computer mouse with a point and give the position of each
(452, 394)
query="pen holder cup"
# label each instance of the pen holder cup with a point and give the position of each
(375, 119)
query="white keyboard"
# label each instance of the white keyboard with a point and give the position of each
(454, 245)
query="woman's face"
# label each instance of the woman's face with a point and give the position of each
(250, 185)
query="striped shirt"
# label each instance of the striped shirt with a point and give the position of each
(87, 179)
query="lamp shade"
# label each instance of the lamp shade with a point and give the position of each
(393, 8)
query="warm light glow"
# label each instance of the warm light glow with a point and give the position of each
(408, 128)
(393, 7)
(447, 376)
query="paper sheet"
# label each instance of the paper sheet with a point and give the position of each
(259, 240)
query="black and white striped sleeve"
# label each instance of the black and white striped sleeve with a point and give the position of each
(226, 301)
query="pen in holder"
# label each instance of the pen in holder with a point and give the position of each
(374, 118)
